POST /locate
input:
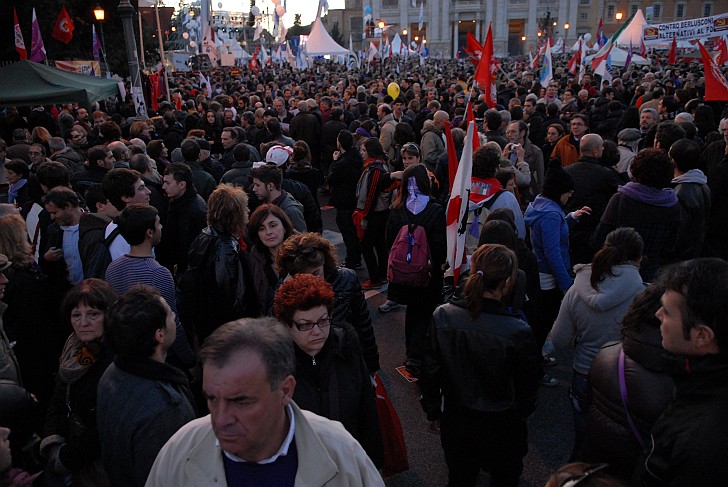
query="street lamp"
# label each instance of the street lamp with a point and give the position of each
(100, 15)
(126, 12)
(619, 16)
(523, 38)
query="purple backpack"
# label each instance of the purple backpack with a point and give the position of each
(409, 259)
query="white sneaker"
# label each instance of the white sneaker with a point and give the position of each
(388, 306)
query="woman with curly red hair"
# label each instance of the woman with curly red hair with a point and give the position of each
(331, 377)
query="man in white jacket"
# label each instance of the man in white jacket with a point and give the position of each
(255, 434)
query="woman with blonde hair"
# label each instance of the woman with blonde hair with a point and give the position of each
(32, 305)
(217, 286)
(480, 375)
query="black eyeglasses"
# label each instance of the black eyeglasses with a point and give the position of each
(576, 479)
(321, 323)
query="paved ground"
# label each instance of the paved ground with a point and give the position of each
(550, 427)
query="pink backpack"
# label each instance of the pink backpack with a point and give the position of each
(409, 259)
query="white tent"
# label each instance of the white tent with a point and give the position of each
(633, 32)
(398, 47)
(320, 43)
(619, 57)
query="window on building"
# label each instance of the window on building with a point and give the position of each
(390, 3)
(355, 23)
(610, 13)
(707, 9)
(633, 9)
(679, 10)
(583, 15)
(657, 10)
(585, 3)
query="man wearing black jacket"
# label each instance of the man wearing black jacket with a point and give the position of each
(344, 176)
(186, 217)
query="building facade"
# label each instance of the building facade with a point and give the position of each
(518, 25)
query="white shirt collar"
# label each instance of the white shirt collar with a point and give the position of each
(282, 451)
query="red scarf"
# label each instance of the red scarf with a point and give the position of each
(483, 189)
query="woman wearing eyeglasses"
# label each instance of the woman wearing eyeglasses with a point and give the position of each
(331, 377)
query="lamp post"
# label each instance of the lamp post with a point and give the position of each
(566, 32)
(619, 16)
(126, 12)
(100, 15)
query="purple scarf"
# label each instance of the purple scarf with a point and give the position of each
(647, 194)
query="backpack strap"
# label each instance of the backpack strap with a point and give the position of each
(112, 236)
(623, 394)
(491, 201)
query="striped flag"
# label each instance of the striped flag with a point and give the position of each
(457, 207)
(599, 61)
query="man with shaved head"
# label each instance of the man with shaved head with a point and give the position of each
(594, 185)
(433, 143)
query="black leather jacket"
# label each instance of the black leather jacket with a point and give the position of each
(350, 309)
(217, 286)
(488, 364)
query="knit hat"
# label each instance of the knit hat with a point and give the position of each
(278, 155)
(629, 135)
(557, 181)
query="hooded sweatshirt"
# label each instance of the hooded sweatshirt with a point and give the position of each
(550, 241)
(590, 317)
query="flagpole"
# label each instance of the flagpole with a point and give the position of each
(141, 39)
(161, 48)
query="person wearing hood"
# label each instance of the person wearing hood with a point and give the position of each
(648, 205)
(694, 198)
(627, 141)
(591, 313)
(414, 206)
(432, 143)
(550, 241)
(615, 435)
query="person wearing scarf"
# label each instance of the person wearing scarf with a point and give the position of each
(414, 205)
(17, 173)
(71, 442)
(648, 205)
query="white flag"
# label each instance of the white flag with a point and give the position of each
(263, 54)
(258, 32)
(206, 82)
(422, 16)
(547, 71)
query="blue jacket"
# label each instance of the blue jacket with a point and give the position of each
(550, 239)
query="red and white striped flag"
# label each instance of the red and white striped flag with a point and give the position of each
(457, 207)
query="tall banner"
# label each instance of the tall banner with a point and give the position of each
(686, 30)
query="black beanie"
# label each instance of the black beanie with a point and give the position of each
(556, 182)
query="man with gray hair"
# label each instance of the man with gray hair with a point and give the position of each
(628, 141)
(386, 130)
(255, 433)
(433, 144)
(67, 156)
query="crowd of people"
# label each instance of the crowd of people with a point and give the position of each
(172, 315)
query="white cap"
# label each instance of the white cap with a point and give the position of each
(278, 155)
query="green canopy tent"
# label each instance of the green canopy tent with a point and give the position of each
(28, 83)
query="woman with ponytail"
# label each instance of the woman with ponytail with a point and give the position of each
(592, 311)
(484, 362)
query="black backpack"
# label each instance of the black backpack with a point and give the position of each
(96, 256)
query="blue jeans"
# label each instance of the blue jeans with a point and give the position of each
(581, 398)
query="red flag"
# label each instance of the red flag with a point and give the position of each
(470, 117)
(722, 52)
(575, 60)
(643, 49)
(473, 48)
(452, 156)
(672, 55)
(63, 30)
(485, 72)
(716, 87)
(19, 42)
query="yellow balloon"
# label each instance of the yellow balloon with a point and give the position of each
(393, 90)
